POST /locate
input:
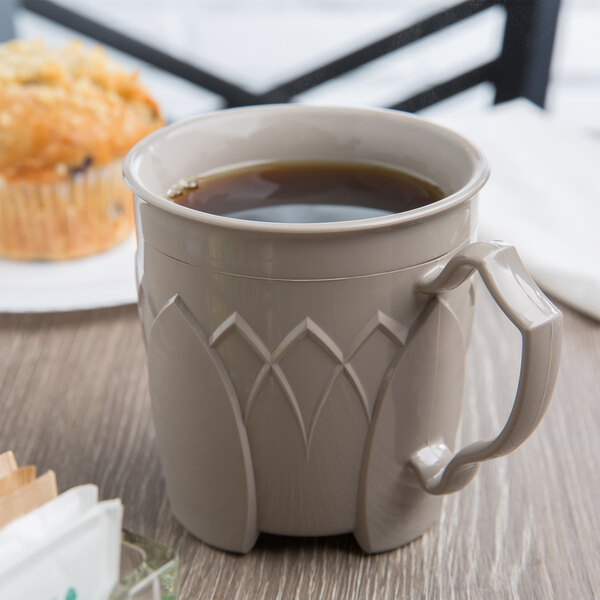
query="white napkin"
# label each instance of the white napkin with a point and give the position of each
(543, 196)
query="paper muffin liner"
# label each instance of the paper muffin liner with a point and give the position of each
(90, 212)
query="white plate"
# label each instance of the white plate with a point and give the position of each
(102, 280)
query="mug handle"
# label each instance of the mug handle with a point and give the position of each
(540, 324)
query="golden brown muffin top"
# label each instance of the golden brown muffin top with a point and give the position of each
(64, 109)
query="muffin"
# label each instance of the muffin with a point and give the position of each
(68, 116)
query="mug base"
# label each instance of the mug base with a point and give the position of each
(370, 546)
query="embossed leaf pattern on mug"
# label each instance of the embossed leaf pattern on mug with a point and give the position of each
(249, 362)
(323, 347)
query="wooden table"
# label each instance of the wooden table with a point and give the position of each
(74, 398)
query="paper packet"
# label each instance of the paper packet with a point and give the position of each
(52, 547)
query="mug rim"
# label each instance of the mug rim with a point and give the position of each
(477, 180)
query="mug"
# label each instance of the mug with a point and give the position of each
(306, 378)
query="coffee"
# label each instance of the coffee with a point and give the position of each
(306, 192)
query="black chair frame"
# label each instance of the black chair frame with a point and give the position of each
(521, 69)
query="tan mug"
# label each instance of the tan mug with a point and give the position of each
(307, 378)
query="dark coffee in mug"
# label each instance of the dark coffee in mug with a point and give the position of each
(306, 191)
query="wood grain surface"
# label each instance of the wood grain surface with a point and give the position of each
(74, 398)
